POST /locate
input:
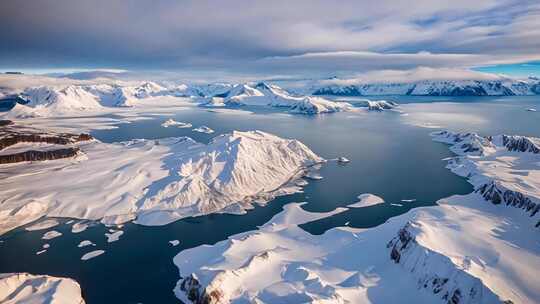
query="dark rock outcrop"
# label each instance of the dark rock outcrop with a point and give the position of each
(520, 144)
(197, 294)
(497, 195)
(11, 134)
(33, 155)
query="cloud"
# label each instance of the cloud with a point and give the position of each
(259, 36)
(10, 83)
(414, 75)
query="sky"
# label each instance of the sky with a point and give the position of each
(272, 39)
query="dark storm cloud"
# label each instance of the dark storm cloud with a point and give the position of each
(266, 36)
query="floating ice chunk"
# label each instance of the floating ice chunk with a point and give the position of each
(171, 122)
(204, 129)
(343, 160)
(85, 243)
(409, 200)
(45, 246)
(114, 235)
(51, 235)
(92, 254)
(314, 175)
(174, 242)
(46, 224)
(80, 226)
(366, 200)
(396, 205)
(301, 182)
(531, 110)
(41, 251)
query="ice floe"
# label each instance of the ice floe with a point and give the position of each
(92, 254)
(171, 122)
(366, 200)
(203, 129)
(113, 236)
(51, 235)
(85, 243)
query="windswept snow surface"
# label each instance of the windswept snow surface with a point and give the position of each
(475, 248)
(38, 289)
(155, 182)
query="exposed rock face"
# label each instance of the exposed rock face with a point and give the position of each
(33, 155)
(465, 143)
(11, 135)
(197, 294)
(521, 144)
(497, 195)
(5, 123)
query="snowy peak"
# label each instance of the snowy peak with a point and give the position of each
(71, 98)
(263, 94)
(232, 168)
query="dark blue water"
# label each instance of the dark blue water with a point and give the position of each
(390, 157)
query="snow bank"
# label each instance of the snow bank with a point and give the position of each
(27, 288)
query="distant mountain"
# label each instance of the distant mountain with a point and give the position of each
(505, 87)
(264, 94)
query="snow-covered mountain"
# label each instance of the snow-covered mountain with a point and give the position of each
(73, 99)
(263, 94)
(435, 88)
